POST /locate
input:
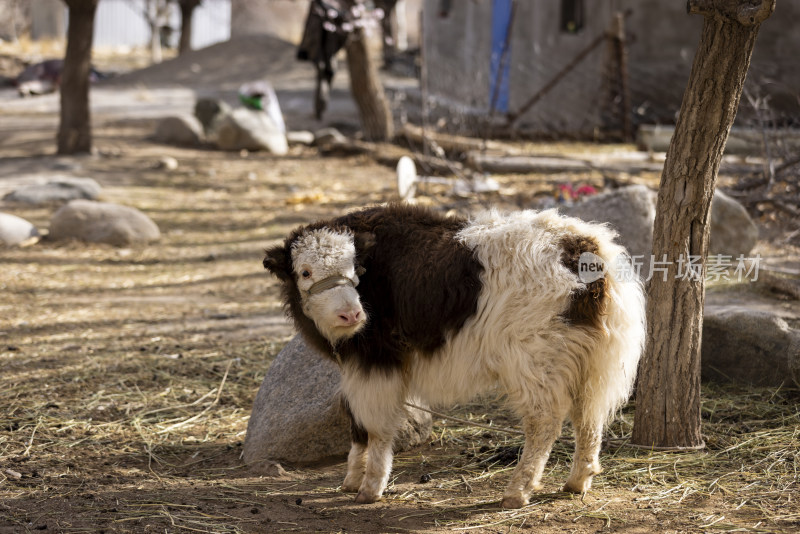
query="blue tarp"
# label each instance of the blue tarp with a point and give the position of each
(501, 18)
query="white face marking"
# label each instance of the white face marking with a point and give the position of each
(320, 254)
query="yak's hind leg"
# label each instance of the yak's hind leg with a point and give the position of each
(376, 402)
(586, 461)
(541, 431)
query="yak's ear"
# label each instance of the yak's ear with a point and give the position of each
(276, 262)
(364, 241)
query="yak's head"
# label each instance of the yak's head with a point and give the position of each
(322, 265)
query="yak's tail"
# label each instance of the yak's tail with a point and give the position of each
(611, 303)
(614, 364)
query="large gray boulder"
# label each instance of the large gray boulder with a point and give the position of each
(733, 232)
(180, 130)
(298, 418)
(631, 211)
(249, 129)
(15, 230)
(102, 222)
(750, 347)
(56, 188)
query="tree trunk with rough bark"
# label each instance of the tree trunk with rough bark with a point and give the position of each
(156, 14)
(187, 8)
(668, 391)
(75, 129)
(365, 84)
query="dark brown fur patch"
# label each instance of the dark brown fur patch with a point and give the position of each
(419, 284)
(358, 434)
(587, 306)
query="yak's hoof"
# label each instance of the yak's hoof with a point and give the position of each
(577, 487)
(347, 488)
(517, 501)
(366, 498)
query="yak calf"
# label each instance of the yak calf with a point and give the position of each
(413, 305)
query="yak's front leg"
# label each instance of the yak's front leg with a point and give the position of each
(376, 403)
(357, 458)
(356, 467)
(379, 467)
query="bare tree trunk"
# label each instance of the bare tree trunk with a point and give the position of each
(365, 84)
(156, 13)
(389, 32)
(668, 392)
(155, 45)
(401, 26)
(75, 128)
(187, 8)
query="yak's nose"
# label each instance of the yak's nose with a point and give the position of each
(350, 317)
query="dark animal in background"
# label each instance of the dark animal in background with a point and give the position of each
(45, 77)
(419, 307)
(328, 25)
(40, 78)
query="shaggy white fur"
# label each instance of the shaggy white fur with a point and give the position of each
(517, 342)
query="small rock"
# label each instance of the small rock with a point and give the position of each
(68, 165)
(55, 189)
(302, 137)
(167, 163)
(100, 222)
(329, 136)
(15, 230)
(180, 130)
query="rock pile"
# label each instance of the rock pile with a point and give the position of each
(226, 128)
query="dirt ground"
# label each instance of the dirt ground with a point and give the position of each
(128, 375)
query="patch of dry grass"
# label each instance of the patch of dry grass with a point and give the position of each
(746, 480)
(128, 376)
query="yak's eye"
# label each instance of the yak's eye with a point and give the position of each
(306, 273)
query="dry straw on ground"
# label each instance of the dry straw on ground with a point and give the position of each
(128, 377)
